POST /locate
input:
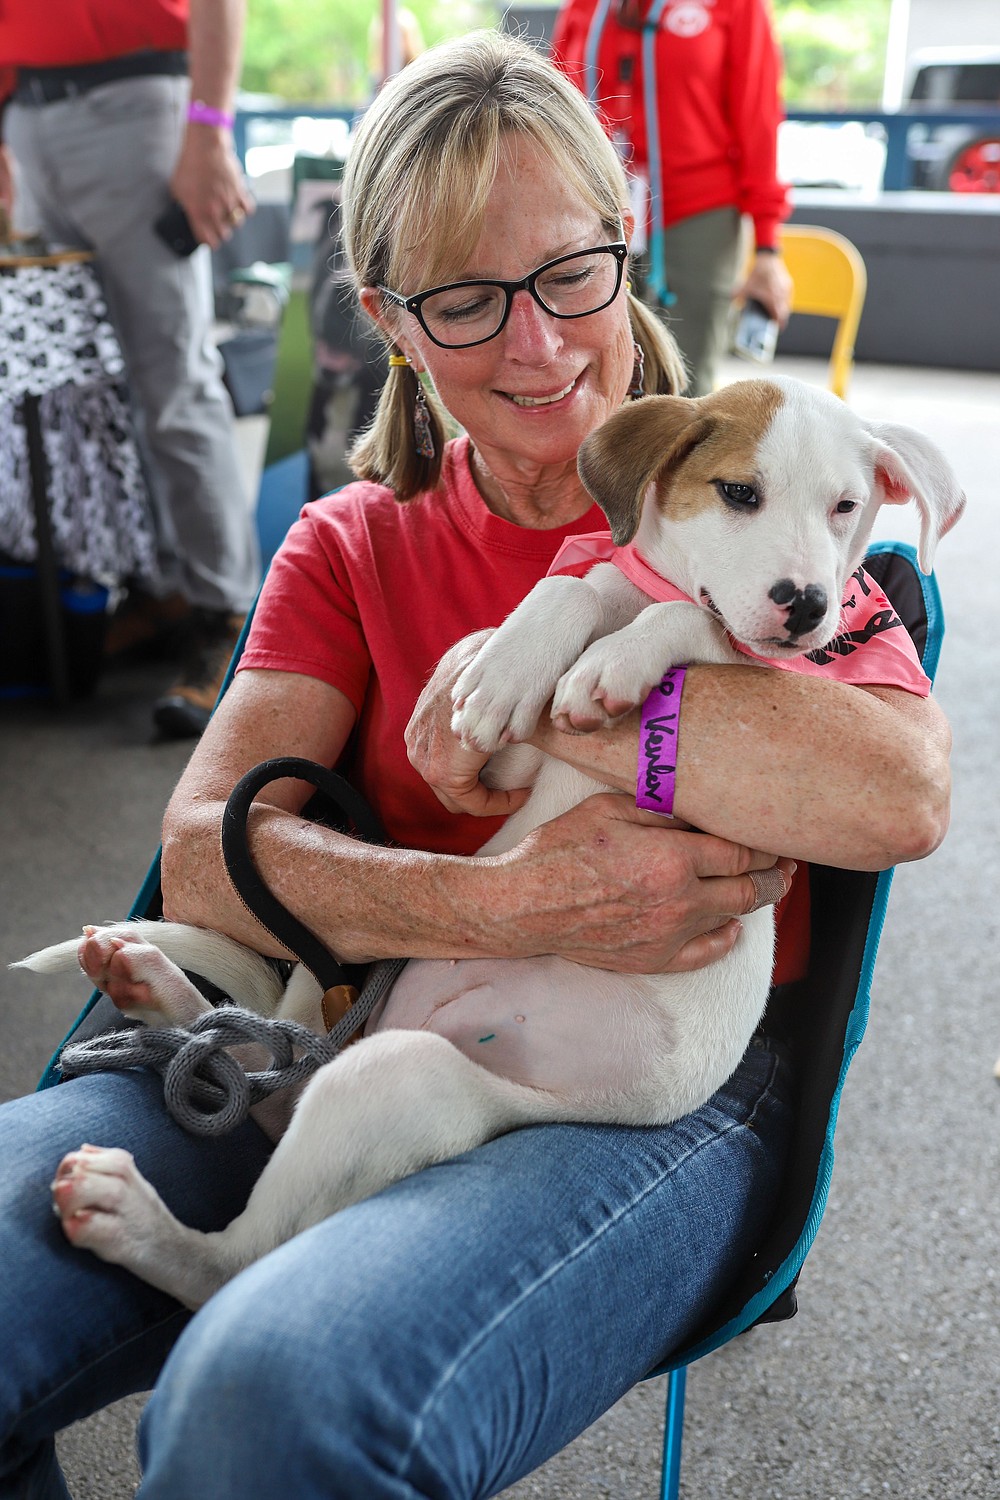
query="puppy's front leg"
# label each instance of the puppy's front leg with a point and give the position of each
(501, 693)
(616, 673)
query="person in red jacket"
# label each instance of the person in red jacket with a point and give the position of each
(113, 108)
(689, 91)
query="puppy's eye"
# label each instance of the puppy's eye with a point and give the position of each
(845, 507)
(738, 496)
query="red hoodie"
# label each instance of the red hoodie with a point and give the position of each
(707, 73)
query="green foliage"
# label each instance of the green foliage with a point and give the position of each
(834, 51)
(318, 51)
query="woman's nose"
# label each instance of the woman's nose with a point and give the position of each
(531, 332)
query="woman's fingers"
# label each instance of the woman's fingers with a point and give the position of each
(707, 949)
(450, 768)
(763, 884)
(616, 888)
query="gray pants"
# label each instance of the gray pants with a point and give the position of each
(94, 174)
(702, 257)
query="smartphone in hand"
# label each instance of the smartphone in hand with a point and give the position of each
(756, 333)
(174, 229)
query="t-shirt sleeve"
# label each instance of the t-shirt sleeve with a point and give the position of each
(307, 618)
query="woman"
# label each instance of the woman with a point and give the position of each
(448, 1335)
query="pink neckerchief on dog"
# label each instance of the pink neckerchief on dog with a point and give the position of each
(872, 645)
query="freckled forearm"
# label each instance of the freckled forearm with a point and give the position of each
(363, 902)
(816, 770)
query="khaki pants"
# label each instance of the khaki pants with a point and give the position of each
(702, 257)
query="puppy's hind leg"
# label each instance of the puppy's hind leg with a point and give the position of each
(106, 1206)
(392, 1104)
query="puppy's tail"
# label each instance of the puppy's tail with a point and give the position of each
(237, 971)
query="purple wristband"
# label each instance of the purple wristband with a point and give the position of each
(200, 113)
(656, 775)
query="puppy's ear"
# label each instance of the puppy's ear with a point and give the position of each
(642, 443)
(909, 466)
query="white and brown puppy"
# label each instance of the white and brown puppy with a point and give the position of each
(757, 502)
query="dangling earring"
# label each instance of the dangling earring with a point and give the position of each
(636, 390)
(422, 431)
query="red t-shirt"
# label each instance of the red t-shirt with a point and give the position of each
(704, 79)
(367, 594)
(61, 33)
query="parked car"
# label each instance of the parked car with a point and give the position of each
(848, 156)
(956, 158)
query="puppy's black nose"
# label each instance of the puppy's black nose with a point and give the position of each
(806, 607)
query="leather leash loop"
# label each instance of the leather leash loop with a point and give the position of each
(261, 902)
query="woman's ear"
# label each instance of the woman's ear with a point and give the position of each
(386, 317)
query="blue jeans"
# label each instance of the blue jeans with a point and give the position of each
(441, 1339)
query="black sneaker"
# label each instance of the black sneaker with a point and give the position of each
(183, 712)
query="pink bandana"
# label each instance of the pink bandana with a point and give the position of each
(872, 646)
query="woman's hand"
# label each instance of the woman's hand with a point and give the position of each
(768, 283)
(208, 183)
(451, 770)
(6, 180)
(608, 885)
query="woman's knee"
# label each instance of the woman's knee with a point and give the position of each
(267, 1391)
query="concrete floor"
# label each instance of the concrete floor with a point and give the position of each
(886, 1383)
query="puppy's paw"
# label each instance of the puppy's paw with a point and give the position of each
(141, 980)
(105, 1205)
(599, 689)
(494, 705)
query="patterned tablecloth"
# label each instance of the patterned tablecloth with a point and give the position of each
(57, 344)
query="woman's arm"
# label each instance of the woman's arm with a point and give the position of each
(604, 884)
(824, 771)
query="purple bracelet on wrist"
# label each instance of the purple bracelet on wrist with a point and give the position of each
(200, 113)
(656, 775)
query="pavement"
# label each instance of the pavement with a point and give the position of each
(886, 1382)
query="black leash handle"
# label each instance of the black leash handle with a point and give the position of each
(259, 900)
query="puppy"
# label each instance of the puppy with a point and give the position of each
(755, 502)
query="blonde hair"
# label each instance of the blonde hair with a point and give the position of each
(415, 190)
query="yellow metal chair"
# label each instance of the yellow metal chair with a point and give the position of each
(829, 281)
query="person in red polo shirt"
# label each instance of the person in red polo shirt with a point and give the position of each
(113, 108)
(689, 90)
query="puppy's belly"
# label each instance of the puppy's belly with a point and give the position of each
(542, 1022)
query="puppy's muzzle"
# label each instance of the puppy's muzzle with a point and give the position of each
(806, 607)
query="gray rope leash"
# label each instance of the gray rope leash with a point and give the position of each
(205, 1088)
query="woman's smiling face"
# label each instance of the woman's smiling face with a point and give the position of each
(529, 397)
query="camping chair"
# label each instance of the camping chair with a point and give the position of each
(828, 280)
(848, 912)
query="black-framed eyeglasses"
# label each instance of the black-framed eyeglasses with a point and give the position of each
(464, 313)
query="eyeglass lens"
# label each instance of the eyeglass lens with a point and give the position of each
(569, 288)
